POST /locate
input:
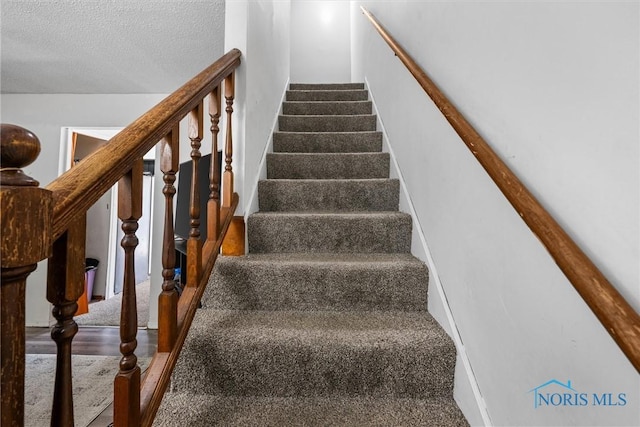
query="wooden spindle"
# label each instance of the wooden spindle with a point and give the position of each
(26, 239)
(194, 244)
(126, 407)
(168, 299)
(65, 284)
(213, 205)
(227, 184)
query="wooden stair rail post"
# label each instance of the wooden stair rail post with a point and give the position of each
(52, 214)
(65, 284)
(614, 312)
(168, 299)
(194, 244)
(26, 216)
(126, 401)
(213, 205)
(227, 184)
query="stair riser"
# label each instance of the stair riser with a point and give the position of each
(328, 195)
(327, 108)
(248, 366)
(327, 166)
(326, 86)
(321, 233)
(239, 285)
(354, 142)
(327, 123)
(327, 95)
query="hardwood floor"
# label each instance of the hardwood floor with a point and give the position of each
(93, 340)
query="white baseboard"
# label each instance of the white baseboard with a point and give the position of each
(252, 205)
(466, 390)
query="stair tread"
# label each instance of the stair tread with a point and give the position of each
(327, 142)
(329, 181)
(196, 410)
(327, 122)
(327, 116)
(337, 133)
(329, 259)
(329, 102)
(375, 329)
(324, 86)
(330, 155)
(327, 95)
(323, 281)
(329, 90)
(327, 165)
(335, 215)
(321, 231)
(317, 353)
(329, 194)
(326, 108)
(356, 102)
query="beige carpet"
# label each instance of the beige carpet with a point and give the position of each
(107, 313)
(92, 387)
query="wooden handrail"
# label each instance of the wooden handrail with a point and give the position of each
(40, 223)
(609, 306)
(80, 187)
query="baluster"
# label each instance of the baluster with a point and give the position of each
(194, 244)
(126, 410)
(168, 299)
(26, 239)
(65, 284)
(227, 185)
(213, 205)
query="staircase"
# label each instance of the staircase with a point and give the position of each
(324, 322)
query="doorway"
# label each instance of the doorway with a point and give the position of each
(104, 229)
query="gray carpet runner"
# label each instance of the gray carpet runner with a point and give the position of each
(324, 322)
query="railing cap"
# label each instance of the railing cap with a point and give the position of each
(19, 147)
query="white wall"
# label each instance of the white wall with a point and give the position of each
(45, 115)
(320, 41)
(260, 29)
(553, 87)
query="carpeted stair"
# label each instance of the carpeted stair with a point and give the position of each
(324, 322)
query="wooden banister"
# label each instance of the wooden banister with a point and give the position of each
(38, 223)
(80, 187)
(614, 312)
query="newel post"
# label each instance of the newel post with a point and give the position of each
(26, 212)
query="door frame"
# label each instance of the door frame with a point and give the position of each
(67, 149)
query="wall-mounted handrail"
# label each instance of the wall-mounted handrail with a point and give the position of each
(614, 312)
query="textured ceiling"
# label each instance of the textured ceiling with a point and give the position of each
(107, 46)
